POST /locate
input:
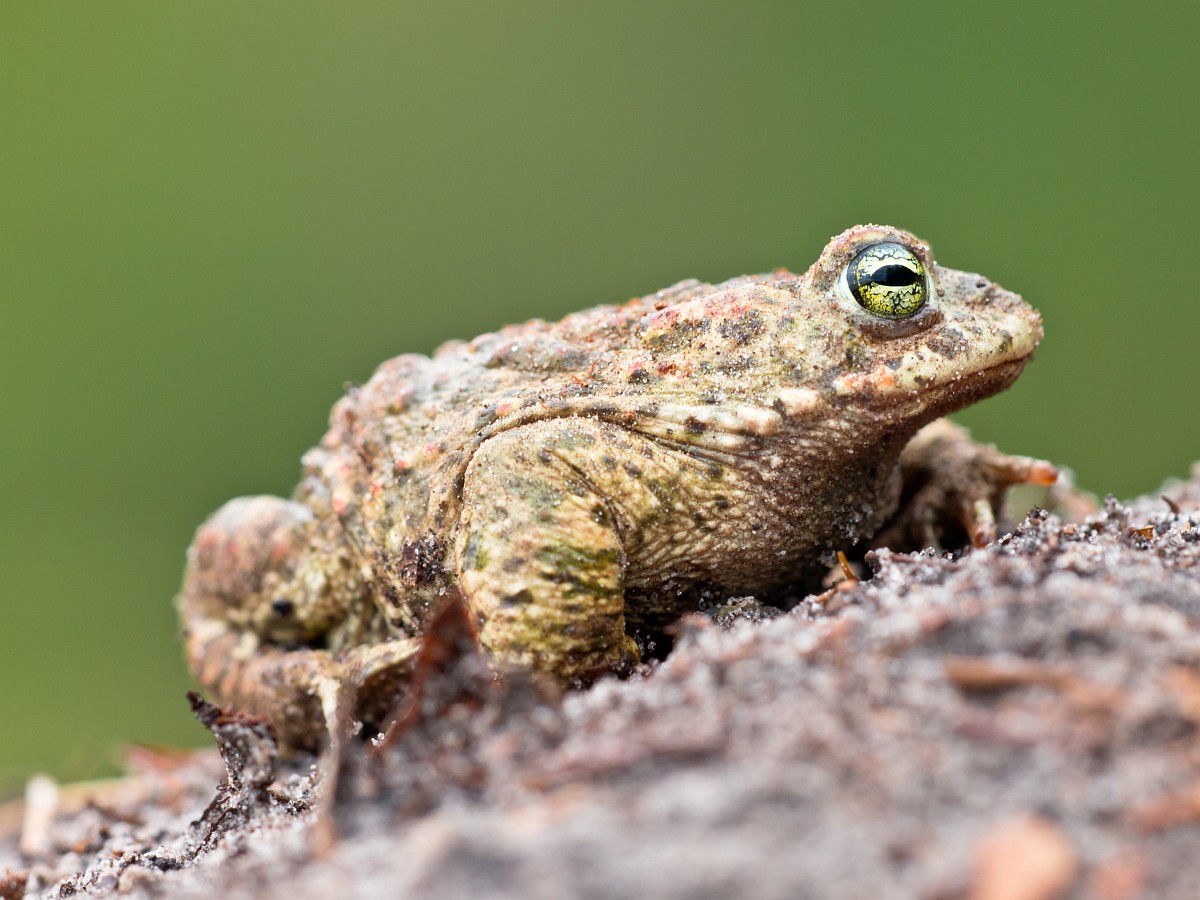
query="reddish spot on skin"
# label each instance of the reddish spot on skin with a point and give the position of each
(432, 449)
(684, 368)
(582, 380)
(339, 505)
(665, 318)
(506, 407)
(401, 466)
(1043, 474)
(376, 489)
(730, 308)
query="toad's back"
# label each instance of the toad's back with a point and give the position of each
(393, 460)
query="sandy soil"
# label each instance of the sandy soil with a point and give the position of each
(1017, 723)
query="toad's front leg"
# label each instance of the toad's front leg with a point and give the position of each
(540, 554)
(953, 488)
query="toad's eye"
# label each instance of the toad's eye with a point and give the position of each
(888, 280)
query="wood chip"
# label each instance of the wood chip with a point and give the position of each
(1025, 859)
(980, 673)
(1121, 877)
(1184, 683)
(41, 805)
(1169, 810)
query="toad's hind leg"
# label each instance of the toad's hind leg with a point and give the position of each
(266, 586)
(539, 556)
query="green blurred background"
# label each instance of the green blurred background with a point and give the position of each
(214, 214)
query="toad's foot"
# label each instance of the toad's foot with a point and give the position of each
(953, 489)
(265, 603)
(303, 691)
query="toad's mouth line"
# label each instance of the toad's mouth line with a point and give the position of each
(983, 382)
(989, 372)
(962, 390)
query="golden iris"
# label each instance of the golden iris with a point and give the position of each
(888, 280)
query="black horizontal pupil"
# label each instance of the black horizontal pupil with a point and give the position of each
(894, 276)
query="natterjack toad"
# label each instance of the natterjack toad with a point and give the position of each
(584, 481)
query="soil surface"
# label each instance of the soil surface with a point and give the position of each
(1014, 723)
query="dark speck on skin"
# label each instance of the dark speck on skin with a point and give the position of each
(949, 343)
(520, 598)
(742, 329)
